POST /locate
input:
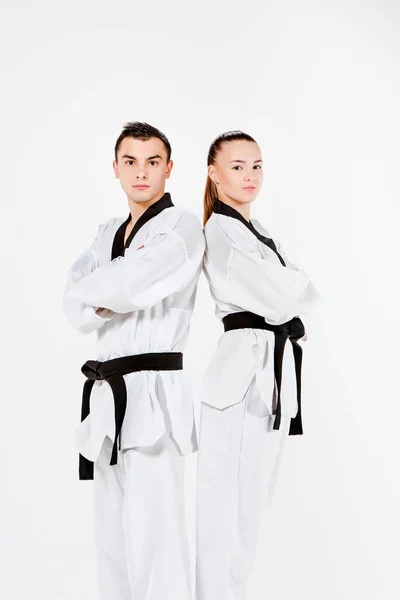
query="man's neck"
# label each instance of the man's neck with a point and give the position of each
(138, 208)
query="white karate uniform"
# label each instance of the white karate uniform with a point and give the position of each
(239, 451)
(147, 296)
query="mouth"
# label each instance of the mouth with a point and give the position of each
(249, 188)
(141, 187)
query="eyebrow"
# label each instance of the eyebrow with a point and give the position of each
(243, 161)
(133, 158)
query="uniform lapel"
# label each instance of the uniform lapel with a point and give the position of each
(224, 209)
(118, 247)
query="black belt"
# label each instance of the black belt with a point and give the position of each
(293, 330)
(112, 371)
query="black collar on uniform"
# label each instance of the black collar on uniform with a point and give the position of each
(224, 209)
(118, 248)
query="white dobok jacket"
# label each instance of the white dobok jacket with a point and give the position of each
(246, 274)
(147, 289)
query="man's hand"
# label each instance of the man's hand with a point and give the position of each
(106, 313)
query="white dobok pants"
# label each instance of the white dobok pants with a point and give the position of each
(140, 536)
(239, 453)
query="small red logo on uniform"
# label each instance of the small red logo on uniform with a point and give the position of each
(142, 246)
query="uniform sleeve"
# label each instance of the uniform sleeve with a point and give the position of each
(294, 267)
(241, 276)
(81, 315)
(145, 276)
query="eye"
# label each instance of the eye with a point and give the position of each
(153, 162)
(257, 167)
(129, 162)
(237, 167)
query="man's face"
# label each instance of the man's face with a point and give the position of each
(142, 168)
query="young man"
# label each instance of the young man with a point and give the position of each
(136, 286)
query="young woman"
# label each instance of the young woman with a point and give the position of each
(250, 397)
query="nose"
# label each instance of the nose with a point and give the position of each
(249, 175)
(141, 173)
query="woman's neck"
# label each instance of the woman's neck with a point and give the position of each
(241, 207)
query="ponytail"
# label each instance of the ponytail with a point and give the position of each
(210, 194)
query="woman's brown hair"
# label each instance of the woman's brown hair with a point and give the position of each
(210, 192)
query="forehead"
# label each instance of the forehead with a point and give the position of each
(239, 150)
(142, 149)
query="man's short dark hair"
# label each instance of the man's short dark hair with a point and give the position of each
(142, 131)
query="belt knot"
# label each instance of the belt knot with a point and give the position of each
(92, 370)
(297, 329)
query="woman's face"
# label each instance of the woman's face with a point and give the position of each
(237, 172)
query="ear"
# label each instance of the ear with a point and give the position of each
(115, 167)
(212, 173)
(170, 164)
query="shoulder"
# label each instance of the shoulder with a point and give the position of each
(179, 220)
(105, 230)
(218, 225)
(186, 217)
(111, 225)
(228, 230)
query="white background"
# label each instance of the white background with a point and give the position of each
(317, 84)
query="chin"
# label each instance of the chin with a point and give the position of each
(247, 198)
(140, 197)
